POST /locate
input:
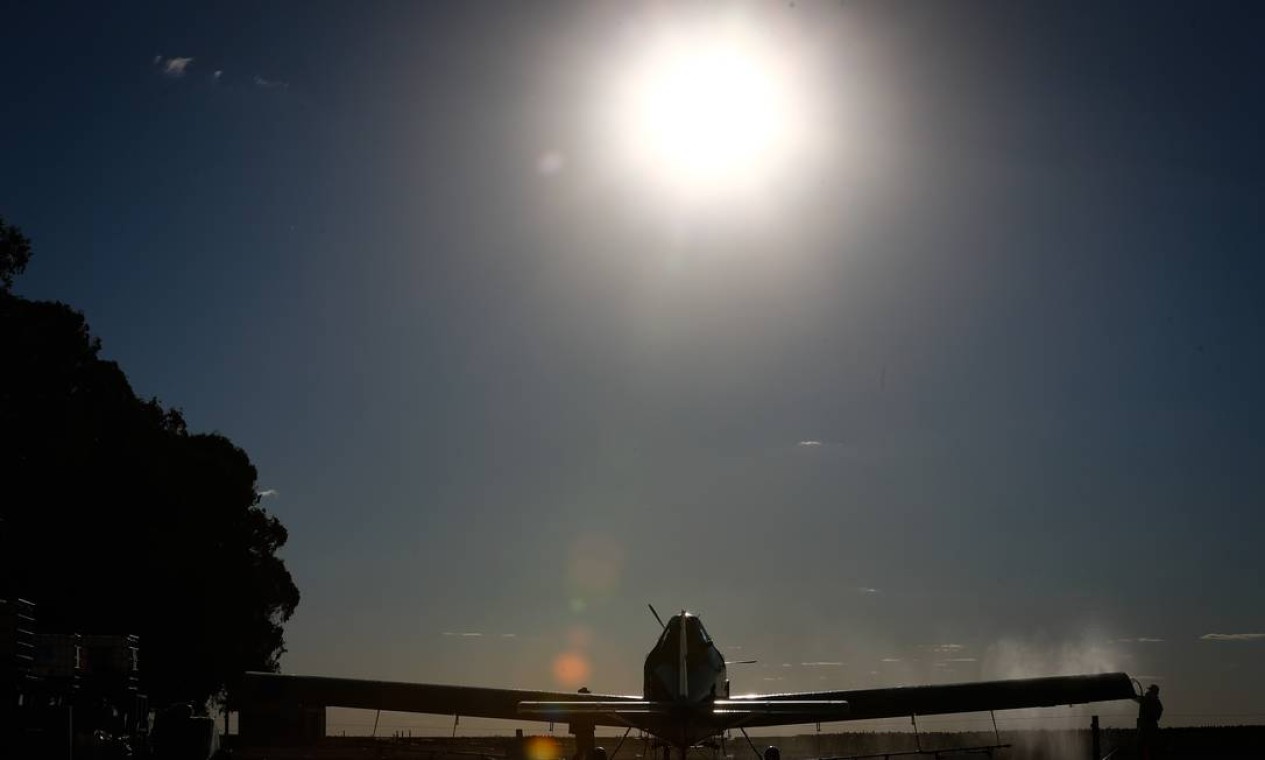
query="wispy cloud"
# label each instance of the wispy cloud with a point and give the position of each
(890, 659)
(947, 648)
(1140, 640)
(808, 443)
(270, 84)
(868, 590)
(822, 664)
(267, 493)
(177, 66)
(174, 67)
(1232, 637)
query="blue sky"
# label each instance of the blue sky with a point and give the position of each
(983, 371)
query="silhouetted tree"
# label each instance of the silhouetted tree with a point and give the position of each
(15, 251)
(118, 520)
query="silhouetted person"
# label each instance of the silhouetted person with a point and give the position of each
(1149, 711)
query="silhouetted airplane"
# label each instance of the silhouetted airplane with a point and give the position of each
(686, 698)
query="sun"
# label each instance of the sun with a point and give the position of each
(707, 112)
(708, 109)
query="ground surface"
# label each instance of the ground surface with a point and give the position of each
(1223, 742)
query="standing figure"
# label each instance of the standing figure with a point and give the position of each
(1149, 711)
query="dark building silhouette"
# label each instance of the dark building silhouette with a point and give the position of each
(61, 688)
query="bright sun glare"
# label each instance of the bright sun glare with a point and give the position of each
(708, 110)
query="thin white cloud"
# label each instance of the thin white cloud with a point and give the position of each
(822, 664)
(808, 443)
(890, 659)
(868, 590)
(1232, 637)
(1139, 640)
(270, 84)
(947, 648)
(174, 67)
(267, 493)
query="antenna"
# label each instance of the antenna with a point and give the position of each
(656, 616)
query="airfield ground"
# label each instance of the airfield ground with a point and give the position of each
(1222, 742)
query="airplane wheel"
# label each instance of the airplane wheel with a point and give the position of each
(598, 753)
(772, 753)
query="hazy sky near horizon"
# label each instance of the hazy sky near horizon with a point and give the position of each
(970, 386)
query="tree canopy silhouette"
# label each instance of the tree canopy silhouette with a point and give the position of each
(15, 252)
(117, 519)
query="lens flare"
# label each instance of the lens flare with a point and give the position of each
(579, 637)
(541, 748)
(595, 566)
(571, 670)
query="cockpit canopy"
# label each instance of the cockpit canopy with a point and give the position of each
(703, 674)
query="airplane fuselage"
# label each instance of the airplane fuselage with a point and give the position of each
(684, 666)
(686, 671)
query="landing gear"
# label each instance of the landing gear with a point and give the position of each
(770, 752)
(585, 744)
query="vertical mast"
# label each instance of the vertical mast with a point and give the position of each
(683, 676)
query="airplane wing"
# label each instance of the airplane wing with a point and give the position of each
(978, 696)
(732, 710)
(263, 690)
(270, 689)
